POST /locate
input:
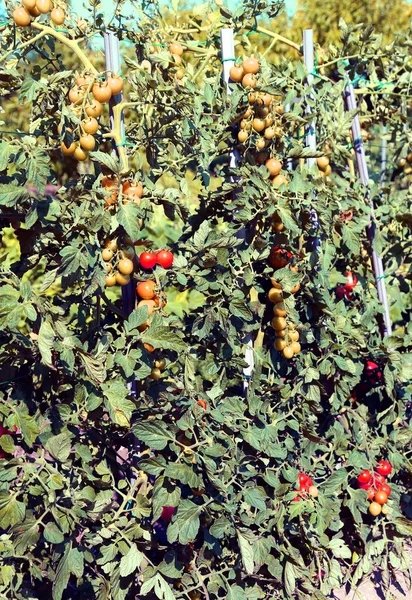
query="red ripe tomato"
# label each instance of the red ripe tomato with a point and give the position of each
(365, 486)
(371, 494)
(202, 403)
(4, 431)
(279, 257)
(167, 513)
(364, 477)
(384, 468)
(371, 366)
(384, 487)
(342, 292)
(302, 478)
(352, 280)
(164, 258)
(304, 481)
(148, 260)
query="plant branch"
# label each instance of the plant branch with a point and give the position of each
(28, 43)
(280, 38)
(72, 44)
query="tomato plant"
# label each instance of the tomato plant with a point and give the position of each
(140, 456)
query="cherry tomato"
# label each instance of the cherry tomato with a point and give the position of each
(164, 258)
(384, 468)
(150, 307)
(4, 431)
(148, 260)
(365, 486)
(202, 403)
(145, 289)
(351, 282)
(371, 493)
(313, 491)
(365, 476)
(381, 497)
(279, 257)
(384, 487)
(371, 366)
(305, 482)
(375, 509)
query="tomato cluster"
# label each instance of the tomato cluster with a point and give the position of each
(287, 338)
(164, 258)
(376, 487)
(131, 191)
(31, 9)
(118, 258)
(158, 366)
(305, 487)
(261, 124)
(175, 67)
(406, 164)
(324, 167)
(151, 297)
(87, 98)
(176, 50)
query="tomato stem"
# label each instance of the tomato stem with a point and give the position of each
(70, 43)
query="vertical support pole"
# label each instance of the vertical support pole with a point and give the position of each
(112, 55)
(377, 263)
(289, 161)
(228, 60)
(310, 131)
(308, 57)
(384, 145)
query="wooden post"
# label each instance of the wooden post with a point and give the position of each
(377, 263)
(228, 60)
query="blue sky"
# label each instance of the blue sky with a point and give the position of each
(108, 5)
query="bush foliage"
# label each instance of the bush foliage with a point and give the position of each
(92, 448)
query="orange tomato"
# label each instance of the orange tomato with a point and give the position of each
(146, 289)
(150, 305)
(21, 17)
(94, 109)
(251, 65)
(102, 92)
(275, 295)
(288, 352)
(274, 166)
(115, 84)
